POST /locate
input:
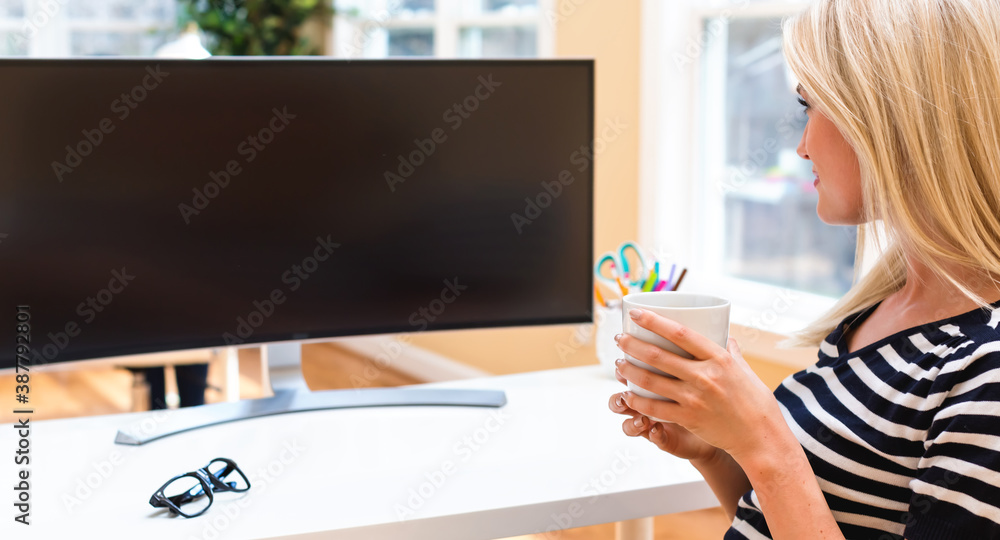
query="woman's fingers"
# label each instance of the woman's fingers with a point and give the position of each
(654, 382)
(617, 404)
(636, 426)
(674, 439)
(656, 408)
(658, 436)
(618, 375)
(653, 355)
(694, 343)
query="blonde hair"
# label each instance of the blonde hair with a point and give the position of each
(914, 87)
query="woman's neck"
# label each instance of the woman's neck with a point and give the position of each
(928, 292)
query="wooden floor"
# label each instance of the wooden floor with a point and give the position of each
(108, 391)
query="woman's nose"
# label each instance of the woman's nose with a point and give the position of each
(801, 150)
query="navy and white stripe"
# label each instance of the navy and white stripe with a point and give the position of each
(903, 434)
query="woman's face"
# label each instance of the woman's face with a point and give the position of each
(838, 172)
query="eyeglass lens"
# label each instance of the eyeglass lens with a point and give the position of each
(187, 493)
(233, 478)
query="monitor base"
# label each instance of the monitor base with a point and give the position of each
(290, 401)
(291, 395)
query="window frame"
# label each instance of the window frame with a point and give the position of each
(446, 22)
(49, 32)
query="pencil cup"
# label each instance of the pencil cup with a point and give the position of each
(608, 321)
(706, 315)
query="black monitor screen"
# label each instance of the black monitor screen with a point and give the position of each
(160, 205)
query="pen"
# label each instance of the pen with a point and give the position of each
(679, 278)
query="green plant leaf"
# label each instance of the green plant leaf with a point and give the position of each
(257, 27)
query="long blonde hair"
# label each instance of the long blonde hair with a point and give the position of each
(914, 87)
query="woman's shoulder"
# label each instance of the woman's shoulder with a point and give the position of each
(868, 331)
(964, 348)
(982, 328)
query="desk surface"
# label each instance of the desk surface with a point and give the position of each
(554, 457)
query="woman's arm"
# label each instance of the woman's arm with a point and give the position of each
(720, 471)
(726, 478)
(717, 397)
(785, 484)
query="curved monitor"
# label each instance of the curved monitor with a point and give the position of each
(154, 205)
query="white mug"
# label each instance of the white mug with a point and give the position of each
(705, 314)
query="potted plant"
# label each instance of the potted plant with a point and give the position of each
(258, 27)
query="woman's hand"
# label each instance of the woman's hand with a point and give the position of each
(719, 399)
(670, 438)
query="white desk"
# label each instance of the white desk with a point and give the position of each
(554, 457)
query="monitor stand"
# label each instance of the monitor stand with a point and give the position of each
(291, 395)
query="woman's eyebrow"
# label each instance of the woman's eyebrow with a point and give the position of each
(798, 89)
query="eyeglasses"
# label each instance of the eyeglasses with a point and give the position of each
(194, 490)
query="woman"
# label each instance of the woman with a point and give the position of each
(895, 431)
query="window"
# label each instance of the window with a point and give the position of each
(60, 28)
(442, 28)
(757, 184)
(723, 190)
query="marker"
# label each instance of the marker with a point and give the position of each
(650, 282)
(597, 293)
(622, 287)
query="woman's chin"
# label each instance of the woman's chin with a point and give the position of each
(833, 218)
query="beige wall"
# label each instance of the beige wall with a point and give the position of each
(608, 31)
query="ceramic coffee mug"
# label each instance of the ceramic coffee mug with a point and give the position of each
(705, 314)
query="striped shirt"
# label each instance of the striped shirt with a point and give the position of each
(903, 434)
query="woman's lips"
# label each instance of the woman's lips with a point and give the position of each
(816, 182)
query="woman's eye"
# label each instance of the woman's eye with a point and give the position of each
(804, 104)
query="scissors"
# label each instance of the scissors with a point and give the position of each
(622, 269)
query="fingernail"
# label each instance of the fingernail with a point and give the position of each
(639, 421)
(620, 361)
(635, 313)
(619, 402)
(617, 337)
(654, 430)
